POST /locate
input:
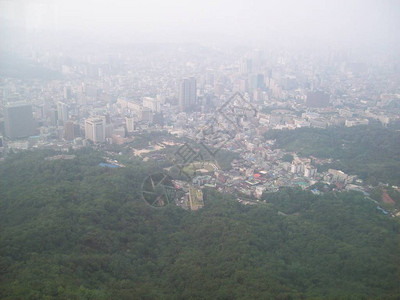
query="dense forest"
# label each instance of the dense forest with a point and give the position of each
(372, 152)
(71, 229)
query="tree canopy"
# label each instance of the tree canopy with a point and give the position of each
(73, 230)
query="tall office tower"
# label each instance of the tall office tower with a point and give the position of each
(95, 130)
(69, 130)
(52, 117)
(18, 120)
(184, 95)
(246, 66)
(67, 92)
(62, 110)
(108, 126)
(187, 94)
(256, 82)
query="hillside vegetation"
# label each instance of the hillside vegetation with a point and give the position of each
(372, 152)
(73, 230)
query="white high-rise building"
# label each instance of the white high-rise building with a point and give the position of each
(153, 104)
(95, 130)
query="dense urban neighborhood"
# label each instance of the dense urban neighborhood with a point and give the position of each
(203, 105)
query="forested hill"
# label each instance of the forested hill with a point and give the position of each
(372, 152)
(73, 230)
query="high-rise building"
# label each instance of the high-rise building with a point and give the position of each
(67, 92)
(246, 66)
(69, 130)
(256, 82)
(63, 113)
(18, 120)
(52, 117)
(187, 94)
(152, 104)
(95, 130)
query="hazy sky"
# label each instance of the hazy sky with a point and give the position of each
(342, 21)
